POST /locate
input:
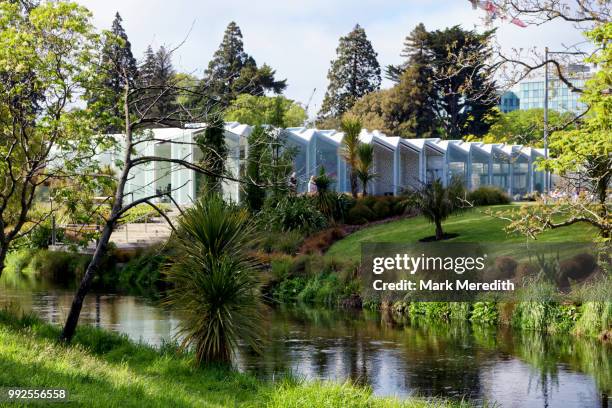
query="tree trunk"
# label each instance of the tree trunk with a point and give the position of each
(354, 186)
(365, 189)
(439, 232)
(94, 264)
(3, 253)
(92, 269)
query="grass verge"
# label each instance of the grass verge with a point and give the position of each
(471, 226)
(103, 369)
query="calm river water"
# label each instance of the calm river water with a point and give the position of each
(454, 361)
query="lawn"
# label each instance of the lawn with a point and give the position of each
(103, 369)
(472, 226)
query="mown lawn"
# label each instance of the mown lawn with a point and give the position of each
(472, 226)
(102, 369)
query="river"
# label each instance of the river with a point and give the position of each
(481, 364)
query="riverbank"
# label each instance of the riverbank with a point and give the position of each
(103, 369)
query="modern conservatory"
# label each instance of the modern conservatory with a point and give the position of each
(399, 164)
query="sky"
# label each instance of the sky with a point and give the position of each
(299, 38)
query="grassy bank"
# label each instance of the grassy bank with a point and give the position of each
(103, 369)
(471, 226)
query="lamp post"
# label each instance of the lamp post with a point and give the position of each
(546, 54)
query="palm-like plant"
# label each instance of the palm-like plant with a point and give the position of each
(214, 283)
(351, 126)
(437, 202)
(364, 164)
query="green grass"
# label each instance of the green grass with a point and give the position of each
(472, 226)
(103, 369)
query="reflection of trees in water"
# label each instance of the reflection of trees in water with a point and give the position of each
(445, 359)
(547, 354)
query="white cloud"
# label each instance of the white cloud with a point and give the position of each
(299, 38)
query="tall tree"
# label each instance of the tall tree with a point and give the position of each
(232, 72)
(463, 82)
(157, 75)
(354, 73)
(412, 107)
(214, 154)
(48, 61)
(116, 57)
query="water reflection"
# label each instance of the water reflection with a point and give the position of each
(448, 360)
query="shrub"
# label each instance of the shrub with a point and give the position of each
(292, 213)
(58, 266)
(487, 195)
(214, 281)
(281, 267)
(334, 206)
(360, 214)
(484, 312)
(381, 209)
(321, 241)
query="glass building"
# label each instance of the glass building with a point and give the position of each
(560, 97)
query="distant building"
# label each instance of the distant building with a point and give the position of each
(509, 102)
(529, 93)
(399, 164)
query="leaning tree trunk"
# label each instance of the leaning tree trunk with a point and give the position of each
(79, 297)
(94, 264)
(439, 232)
(3, 253)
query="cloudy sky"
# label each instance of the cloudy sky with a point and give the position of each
(299, 38)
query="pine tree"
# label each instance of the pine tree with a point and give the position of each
(157, 72)
(120, 68)
(464, 84)
(163, 77)
(214, 152)
(354, 73)
(412, 101)
(232, 72)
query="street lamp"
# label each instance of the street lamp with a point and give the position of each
(546, 54)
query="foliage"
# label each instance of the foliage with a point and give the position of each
(155, 377)
(487, 195)
(116, 56)
(412, 101)
(334, 206)
(437, 202)
(354, 73)
(232, 72)
(158, 73)
(484, 312)
(214, 281)
(258, 110)
(360, 214)
(374, 208)
(351, 126)
(525, 126)
(268, 166)
(287, 242)
(373, 111)
(582, 156)
(323, 181)
(364, 165)
(214, 153)
(292, 213)
(47, 67)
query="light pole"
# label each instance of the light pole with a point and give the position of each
(546, 54)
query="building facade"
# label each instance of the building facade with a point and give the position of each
(529, 93)
(399, 164)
